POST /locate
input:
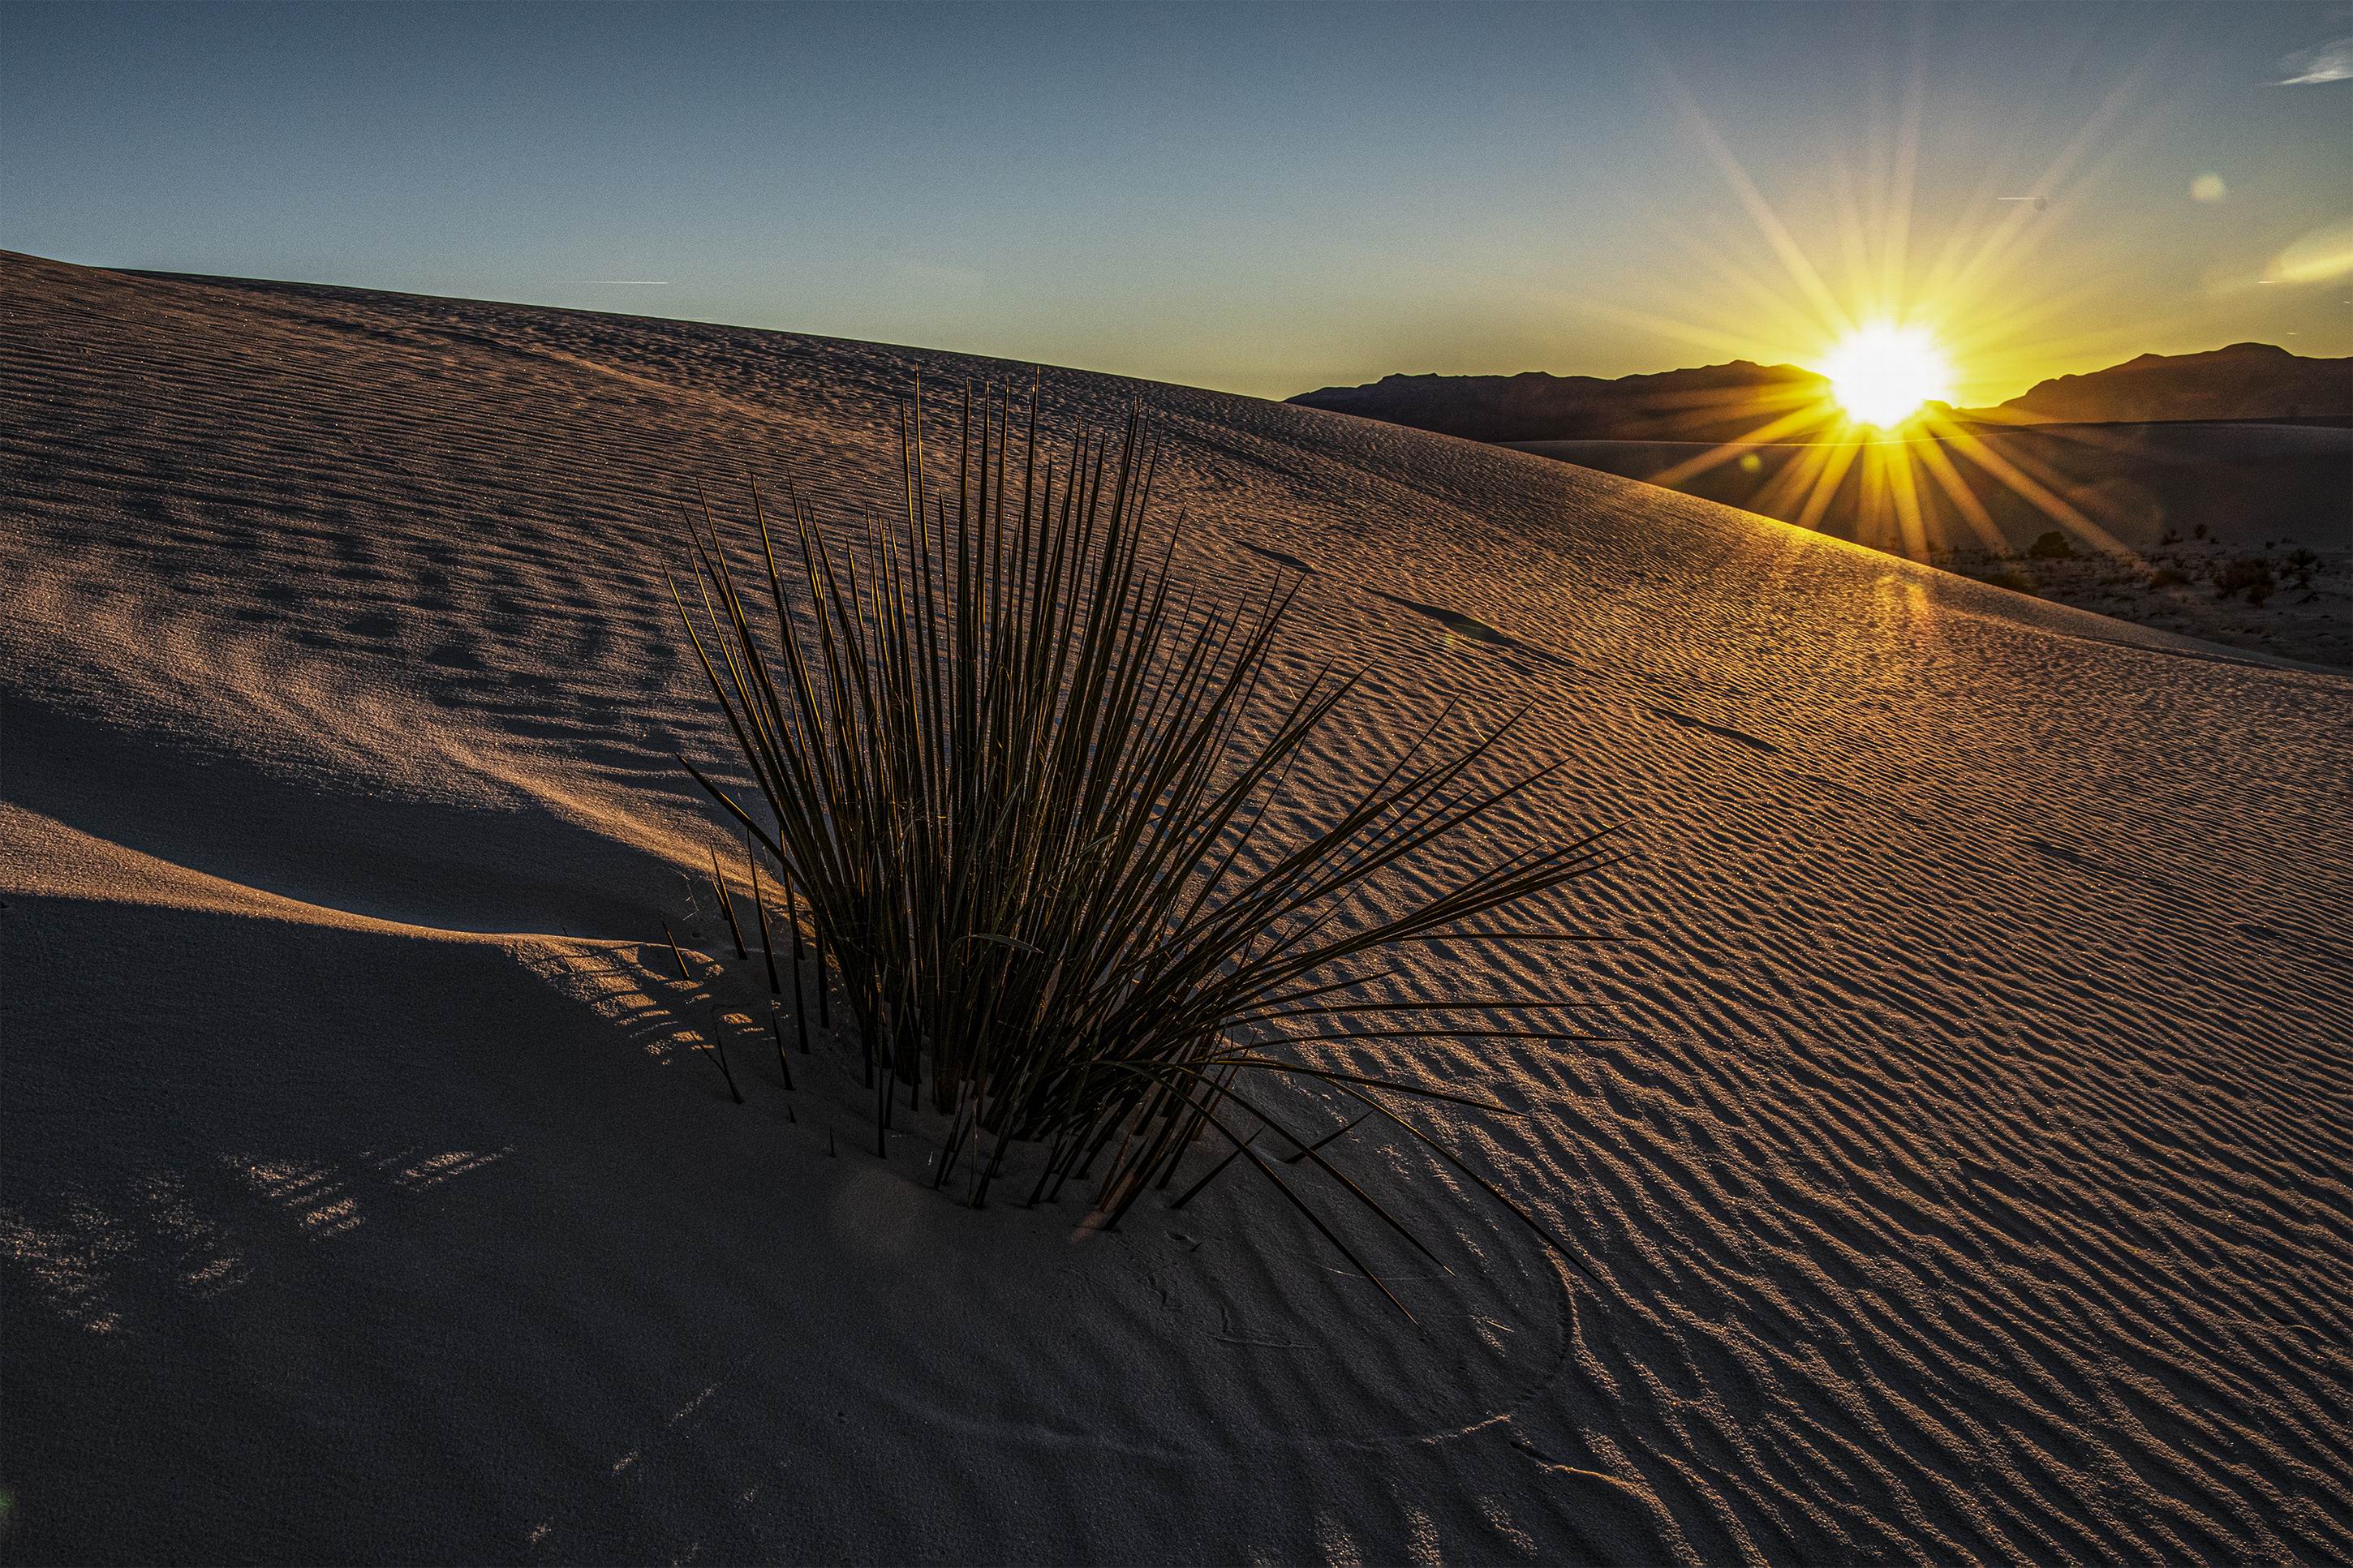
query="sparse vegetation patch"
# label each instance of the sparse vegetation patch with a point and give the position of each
(1032, 788)
(2249, 575)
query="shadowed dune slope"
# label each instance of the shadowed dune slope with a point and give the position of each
(1970, 1182)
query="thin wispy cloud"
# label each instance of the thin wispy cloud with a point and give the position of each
(2331, 61)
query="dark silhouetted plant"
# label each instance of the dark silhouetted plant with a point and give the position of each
(2051, 545)
(2248, 574)
(1023, 778)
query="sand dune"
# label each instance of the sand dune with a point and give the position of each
(1971, 1183)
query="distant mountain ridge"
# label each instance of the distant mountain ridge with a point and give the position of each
(1713, 403)
(1731, 402)
(2244, 381)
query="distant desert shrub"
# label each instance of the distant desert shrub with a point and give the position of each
(2167, 577)
(2301, 564)
(2015, 580)
(1026, 779)
(2247, 574)
(2052, 545)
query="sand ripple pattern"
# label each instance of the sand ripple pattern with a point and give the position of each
(1971, 1181)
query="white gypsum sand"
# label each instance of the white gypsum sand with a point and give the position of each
(1970, 1182)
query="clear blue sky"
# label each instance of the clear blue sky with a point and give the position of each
(1264, 198)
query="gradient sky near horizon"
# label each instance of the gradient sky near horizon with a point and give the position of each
(1262, 198)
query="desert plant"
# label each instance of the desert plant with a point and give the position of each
(1025, 784)
(2302, 564)
(2167, 577)
(2051, 545)
(2248, 574)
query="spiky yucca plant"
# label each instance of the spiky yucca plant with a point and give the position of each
(1023, 781)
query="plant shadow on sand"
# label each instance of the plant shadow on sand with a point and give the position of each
(355, 1221)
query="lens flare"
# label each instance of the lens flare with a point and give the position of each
(1882, 375)
(1874, 449)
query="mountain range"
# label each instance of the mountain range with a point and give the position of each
(2245, 381)
(1730, 402)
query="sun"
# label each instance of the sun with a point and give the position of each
(1881, 374)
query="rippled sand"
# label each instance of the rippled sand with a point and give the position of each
(1970, 1181)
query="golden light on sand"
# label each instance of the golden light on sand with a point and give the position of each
(1883, 374)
